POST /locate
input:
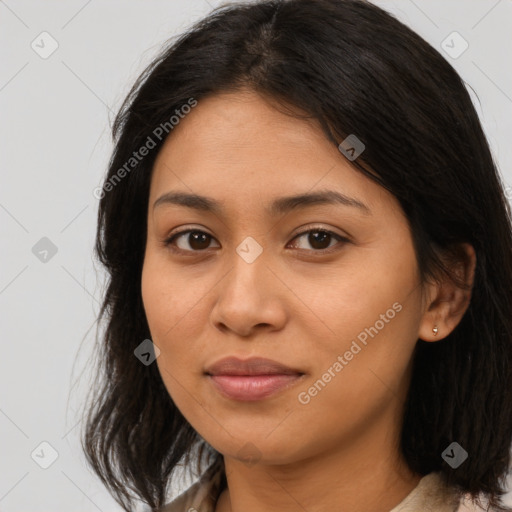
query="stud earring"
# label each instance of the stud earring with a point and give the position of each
(435, 330)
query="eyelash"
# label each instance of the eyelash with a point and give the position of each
(169, 242)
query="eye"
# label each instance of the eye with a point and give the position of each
(320, 239)
(197, 241)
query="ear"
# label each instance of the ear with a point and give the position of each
(446, 301)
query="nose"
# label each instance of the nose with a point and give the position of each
(249, 298)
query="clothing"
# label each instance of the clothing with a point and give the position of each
(430, 495)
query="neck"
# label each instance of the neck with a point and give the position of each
(358, 477)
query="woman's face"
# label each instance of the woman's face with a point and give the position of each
(329, 288)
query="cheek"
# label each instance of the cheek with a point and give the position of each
(156, 298)
(369, 316)
(348, 301)
(355, 382)
(171, 302)
(176, 315)
(366, 366)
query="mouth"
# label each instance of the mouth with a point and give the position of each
(252, 379)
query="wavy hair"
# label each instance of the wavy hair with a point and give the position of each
(357, 70)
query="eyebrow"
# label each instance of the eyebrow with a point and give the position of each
(279, 206)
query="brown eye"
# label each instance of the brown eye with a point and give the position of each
(319, 239)
(196, 240)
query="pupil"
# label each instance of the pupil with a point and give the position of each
(199, 240)
(319, 237)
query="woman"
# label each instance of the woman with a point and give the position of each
(310, 273)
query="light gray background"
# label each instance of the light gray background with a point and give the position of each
(55, 144)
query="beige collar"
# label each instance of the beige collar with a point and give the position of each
(431, 494)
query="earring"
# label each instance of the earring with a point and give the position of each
(435, 330)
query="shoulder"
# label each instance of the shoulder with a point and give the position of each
(203, 494)
(431, 494)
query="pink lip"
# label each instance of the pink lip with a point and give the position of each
(251, 379)
(251, 366)
(254, 387)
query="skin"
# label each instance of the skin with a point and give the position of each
(293, 304)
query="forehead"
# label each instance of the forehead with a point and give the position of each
(238, 147)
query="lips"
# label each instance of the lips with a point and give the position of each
(252, 379)
(252, 366)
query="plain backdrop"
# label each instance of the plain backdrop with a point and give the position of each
(54, 147)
